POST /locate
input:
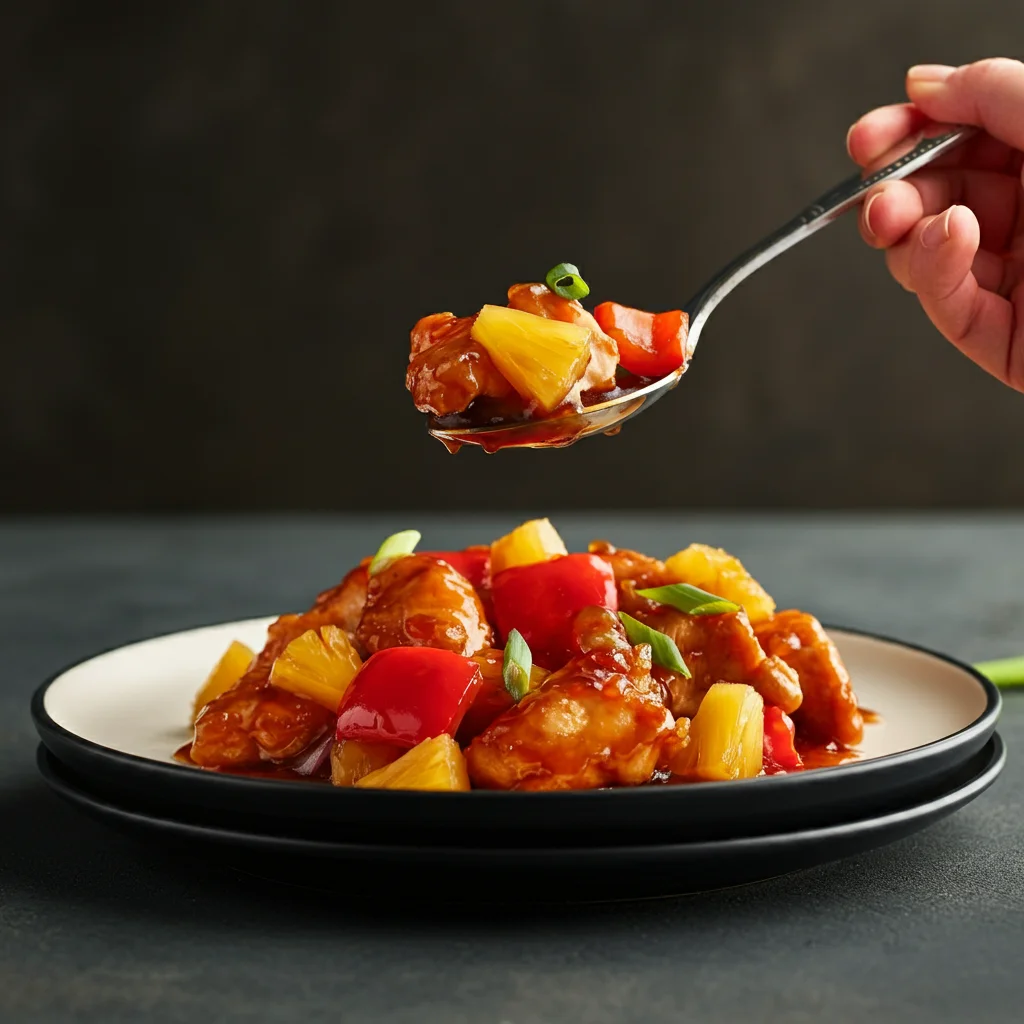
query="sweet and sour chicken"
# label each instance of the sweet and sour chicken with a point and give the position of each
(540, 356)
(520, 665)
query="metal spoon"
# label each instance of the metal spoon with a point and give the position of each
(608, 416)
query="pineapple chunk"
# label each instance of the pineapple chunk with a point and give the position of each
(231, 667)
(352, 759)
(433, 764)
(317, 665)
(718, 572)
(542, 359)
(726, 736)
(534, 541)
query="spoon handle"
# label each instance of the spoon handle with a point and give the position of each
(821, 212)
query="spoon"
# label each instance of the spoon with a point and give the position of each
(608, 416)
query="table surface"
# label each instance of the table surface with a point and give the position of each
(95, 927)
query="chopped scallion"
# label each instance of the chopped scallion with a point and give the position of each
(565, 280)
(691, 600)
(663, 648)
(397, 545)
(516, 666)
(1004, 671)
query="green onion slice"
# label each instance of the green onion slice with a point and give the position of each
(691, 600)
(1004, 671)
(663, 648)
(565, 280)
(515, 669)
(397, 545)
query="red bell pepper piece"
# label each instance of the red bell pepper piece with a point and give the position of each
(404, 695)
(474, 563)
(780, 753)
(650, 344)
(543, 599)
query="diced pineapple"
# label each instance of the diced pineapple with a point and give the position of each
(231, 667)
(726, 736)
(318, 665)
(436, 763)
(534, 541)
(352, 759)
(718, 572)
(542, 359)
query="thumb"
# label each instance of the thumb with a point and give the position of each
(989, 94)
(980, 323)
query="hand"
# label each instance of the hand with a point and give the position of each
(954, 232)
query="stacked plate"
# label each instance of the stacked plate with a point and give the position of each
(110, 726)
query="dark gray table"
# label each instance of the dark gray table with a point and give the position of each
(96, 928)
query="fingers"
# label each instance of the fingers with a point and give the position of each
(987, 328)
(989, 93)
(877, 132)
(893, 208)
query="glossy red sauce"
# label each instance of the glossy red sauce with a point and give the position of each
(271, 771)
(563, 427)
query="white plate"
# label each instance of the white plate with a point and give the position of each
(117, 718)
(138, 699)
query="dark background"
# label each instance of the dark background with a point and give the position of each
(218, 222)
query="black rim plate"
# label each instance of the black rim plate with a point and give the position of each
(563, 873)
(654, 814)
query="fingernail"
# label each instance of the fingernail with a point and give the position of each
(848, 134)
(930, 72)
(867, 215)
(928, 79)
(937, 230)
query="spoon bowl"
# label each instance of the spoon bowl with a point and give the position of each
(607, 415)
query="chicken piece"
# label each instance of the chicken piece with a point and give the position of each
(829, 712)
(604, 353)
(256, 721)
(716, 648)
(438, 327)
(448, 370)
(348, 598)
(641, 570)
(421, 601)
(598, 721)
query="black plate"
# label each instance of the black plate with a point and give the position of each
(648, 814)
(406, 871)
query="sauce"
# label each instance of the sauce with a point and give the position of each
(495, 425)
(271, 771)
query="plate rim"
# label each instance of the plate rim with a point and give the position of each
(983, 725)
(948, 801)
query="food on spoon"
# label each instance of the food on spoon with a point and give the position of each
(318, 664)
(650, 344)
(231, 667)
(719, 572)
(614, 672)
(725, 736)
(541, 356)
(449, 369)
(435, 764)
(533, 541)
(542, 359)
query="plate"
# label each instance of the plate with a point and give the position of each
(407, 872)
(117, 717)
